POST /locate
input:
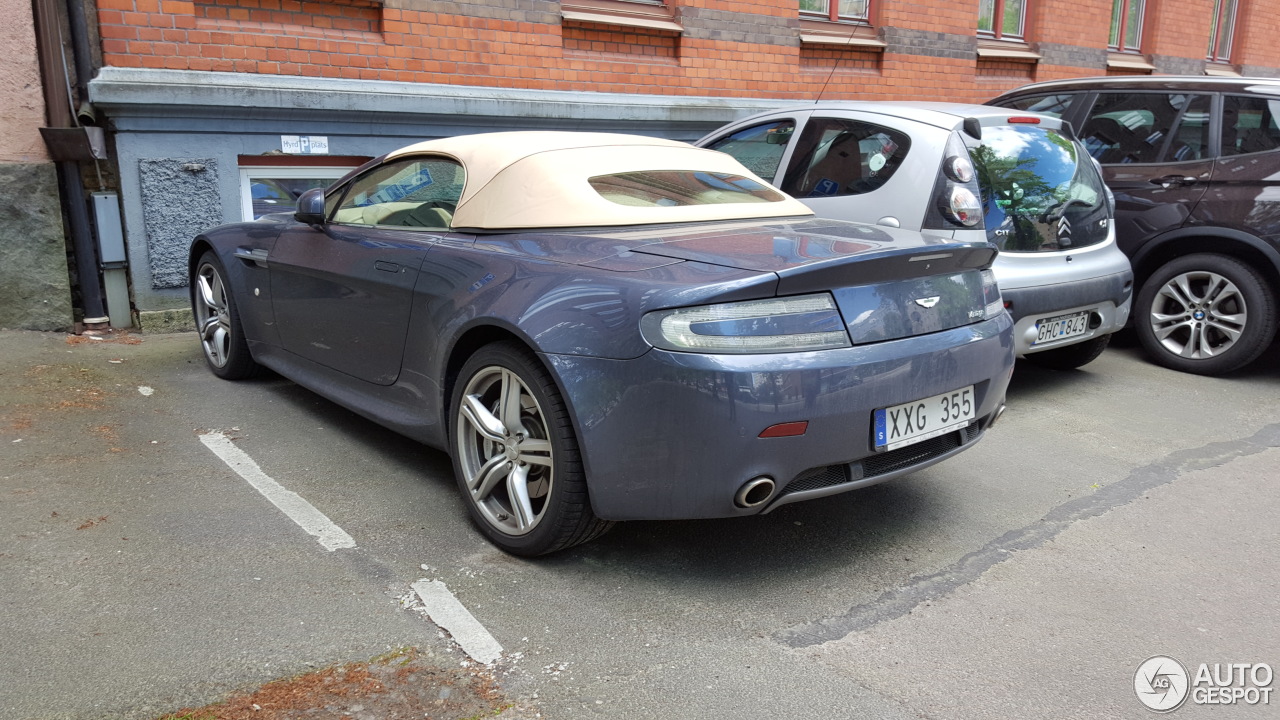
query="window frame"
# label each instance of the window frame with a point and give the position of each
(340, 194)
(833, 14)
(1120, 25)
(1215, 53)
(997, 23)
(774, 124)
(1212, 130)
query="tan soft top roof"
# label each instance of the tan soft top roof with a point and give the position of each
(540, 179)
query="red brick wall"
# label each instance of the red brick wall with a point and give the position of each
(362, 39)
(1068, 22)
(1257, 27)
(960, 18)
(636, 44)
(1179, 28)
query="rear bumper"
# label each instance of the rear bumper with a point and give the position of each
(675, 435)
(1108, 298)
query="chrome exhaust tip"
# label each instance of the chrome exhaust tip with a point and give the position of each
(754, 493)
(995, 417)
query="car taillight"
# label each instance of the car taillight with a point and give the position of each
(963, 207)
(959, 168)
(991, 295)
(799, 323)
(956, 201)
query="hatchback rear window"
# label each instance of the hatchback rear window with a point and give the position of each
(1040, 190)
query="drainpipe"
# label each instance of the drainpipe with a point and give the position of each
(83, 56)
(60, 114)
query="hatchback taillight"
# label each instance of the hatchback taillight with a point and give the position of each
(956, 200)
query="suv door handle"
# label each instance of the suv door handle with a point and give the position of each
(1169, 181)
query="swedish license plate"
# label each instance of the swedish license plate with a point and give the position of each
(1062, 327)
(923, 419)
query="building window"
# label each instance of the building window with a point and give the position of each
(268, 189)
(1002, 19)
(1224, 27)
(1126, 25)
(835, 10)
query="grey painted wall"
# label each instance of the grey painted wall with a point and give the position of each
(164, 119)
(35, 292)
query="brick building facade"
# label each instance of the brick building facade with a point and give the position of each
(205, 97)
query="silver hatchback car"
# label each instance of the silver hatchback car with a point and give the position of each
(1020, 180)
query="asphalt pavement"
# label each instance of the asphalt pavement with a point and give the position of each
(1116, 513)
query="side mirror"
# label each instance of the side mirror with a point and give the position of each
(311, 207)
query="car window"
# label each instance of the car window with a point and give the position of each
(674, 188)
(1039, 190)
(1147, 128)
(1249, 124)
(1055, 105)
(759, 148)
(418, 192)
(838, 156)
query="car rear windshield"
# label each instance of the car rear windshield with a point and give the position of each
(1040, 190)
(671, 188)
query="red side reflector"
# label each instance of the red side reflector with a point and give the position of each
(785, 429)
(1023, 120)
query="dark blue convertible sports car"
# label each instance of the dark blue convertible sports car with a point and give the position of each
(603, 327)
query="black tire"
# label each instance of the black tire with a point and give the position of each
(1070, 357)
(1188, 310)
(213, 304)
(541, 456)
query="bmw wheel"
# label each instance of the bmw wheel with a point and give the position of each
(516, 456)
(1205, 314)
(218, 322)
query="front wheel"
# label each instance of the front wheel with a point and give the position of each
(516, 456)
(1205, 314)
(218, 321)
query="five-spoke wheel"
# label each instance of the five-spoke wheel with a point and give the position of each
(516, 456)
(1205, 314)
(218, 322)
(507, 460)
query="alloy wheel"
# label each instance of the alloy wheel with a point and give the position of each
(213, 318)
(504, 450)
(1198, 315)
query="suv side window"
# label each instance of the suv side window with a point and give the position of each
(1147, 128)
(837, 156)
(1055, 105)
(1249, 125)
(759, 148)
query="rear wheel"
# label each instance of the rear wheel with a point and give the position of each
(516, 456)
(218, 321)
(1071, 356)
(1205, 314)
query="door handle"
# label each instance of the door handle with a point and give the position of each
(385, 266)
(1169, 181)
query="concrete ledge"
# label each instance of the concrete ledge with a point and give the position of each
(125, 92)
(166, 321)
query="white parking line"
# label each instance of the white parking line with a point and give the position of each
(290, 503)
(447, 612)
